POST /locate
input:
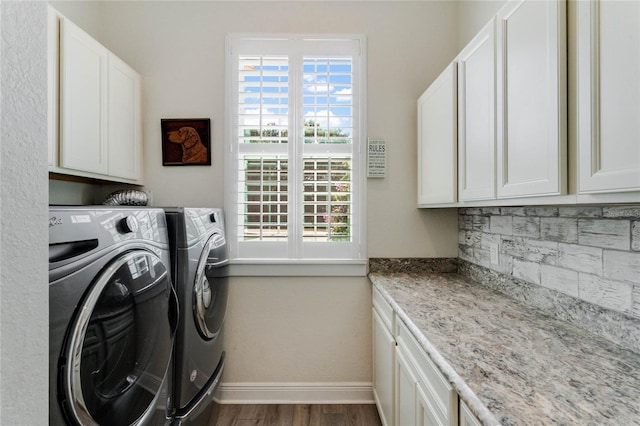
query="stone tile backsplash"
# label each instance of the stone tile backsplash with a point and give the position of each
(589, 252)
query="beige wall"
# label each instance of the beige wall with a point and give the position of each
(299, 330)
(293, 329)
(178, 47)
(473, 15)
(85, 14)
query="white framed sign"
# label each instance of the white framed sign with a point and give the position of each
(376, 158)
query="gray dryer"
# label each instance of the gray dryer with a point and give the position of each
(199, 260)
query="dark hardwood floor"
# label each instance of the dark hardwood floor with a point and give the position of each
(298, 415)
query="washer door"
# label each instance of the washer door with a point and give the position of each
(209, 290)
(119, 345)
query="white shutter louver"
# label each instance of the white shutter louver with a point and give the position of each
(295, 126)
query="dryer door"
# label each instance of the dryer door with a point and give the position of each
(119, 345)
(211, 287)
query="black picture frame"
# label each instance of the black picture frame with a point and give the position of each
(186, 141)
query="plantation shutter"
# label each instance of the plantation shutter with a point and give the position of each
(295, 148)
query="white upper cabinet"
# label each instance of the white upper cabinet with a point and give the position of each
(608, 55)
(124, 119)
(476, 117)
(83, 100)
(531, 98)
(97, 130)
(437, 141)
(511, 146)
(53, 69)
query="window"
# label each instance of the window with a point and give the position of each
(294, 134)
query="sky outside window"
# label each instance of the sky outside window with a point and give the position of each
(326, 109)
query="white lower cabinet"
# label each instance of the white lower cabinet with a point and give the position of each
(432, 396)
(466, 416)
(409, 389)
(414, 405)
(425, 413)
(383, 384)
(406, 383)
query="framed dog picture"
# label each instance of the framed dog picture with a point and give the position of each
(186, 142)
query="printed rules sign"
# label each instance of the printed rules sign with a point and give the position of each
(376, 158)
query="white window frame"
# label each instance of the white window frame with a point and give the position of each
(300, 258)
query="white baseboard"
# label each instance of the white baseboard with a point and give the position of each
(295, 393)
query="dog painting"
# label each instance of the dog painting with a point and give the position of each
(186, 142)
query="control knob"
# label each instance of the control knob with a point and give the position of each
(128, 224)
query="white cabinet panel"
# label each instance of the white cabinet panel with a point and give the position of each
(124, 120)
(383, 366)
(608, 43)
(531, 98)
(409, 389)
(95, 123)
(383, 309)
(53, 95)
(425, 413)
(466, 416)
(406, 382)
(437, 140)
(440, 394)
(83, 75)
(476, 117)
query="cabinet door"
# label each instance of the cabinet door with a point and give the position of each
(405, 390)
(608, 96)
(476, 117)
(83, 97)
(466, 416)
(531, 102)
(124, 120)
(53, 67)
(425, 413)
(437, 141)
(383, 366)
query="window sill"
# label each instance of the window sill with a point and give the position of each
(298, 268)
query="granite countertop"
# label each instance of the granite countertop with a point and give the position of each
(510, 363)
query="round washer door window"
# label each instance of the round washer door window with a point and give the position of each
(120, 342)
(209, 290)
